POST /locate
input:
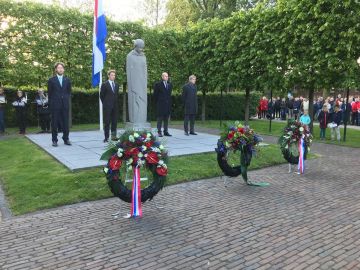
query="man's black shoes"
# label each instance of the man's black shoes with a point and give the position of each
(67, 142)
(55, 144)
(193, 133)
(167, 134)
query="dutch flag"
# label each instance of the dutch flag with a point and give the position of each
(99, 36)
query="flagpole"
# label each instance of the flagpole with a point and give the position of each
(100, 105)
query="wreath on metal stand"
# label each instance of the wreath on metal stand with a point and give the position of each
(235, 139)
(295, 142)
(135, 151)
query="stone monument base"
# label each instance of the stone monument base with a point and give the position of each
(138, 126)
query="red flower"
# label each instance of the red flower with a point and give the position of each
(132, 152)
(161, 171)
(115, 163)
(231, 135)
(149, 144)
(152, 158)
(241, 130)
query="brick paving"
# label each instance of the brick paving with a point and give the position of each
(298, 222)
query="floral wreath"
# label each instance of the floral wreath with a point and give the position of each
(135, 149)
(236, 137)
(290, 138)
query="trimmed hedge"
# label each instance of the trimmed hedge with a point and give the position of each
(85, 106)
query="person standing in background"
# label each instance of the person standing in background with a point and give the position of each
(323, 121)
(43, 111)
(189, 97)
(59, 91)
(109, 95)
(335, 119)
(20, 108)
(2, 111)
(162, 97)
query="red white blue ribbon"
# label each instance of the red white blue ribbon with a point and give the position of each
(301, 166)
(136, 210)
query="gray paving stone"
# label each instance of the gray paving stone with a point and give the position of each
(87, 146)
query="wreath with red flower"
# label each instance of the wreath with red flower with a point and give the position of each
(290, 138)
(135, 149)
(236, 137)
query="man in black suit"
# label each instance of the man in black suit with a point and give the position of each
(189, 97)
(59, 93)
(109, 95)
(162, 97)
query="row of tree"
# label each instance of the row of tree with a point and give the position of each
(311, 44)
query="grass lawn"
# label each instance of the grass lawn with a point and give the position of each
(262, 127)
(33, 180)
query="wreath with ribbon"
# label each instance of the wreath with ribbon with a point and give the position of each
(295, 141)
(236, 138)
(133, 151)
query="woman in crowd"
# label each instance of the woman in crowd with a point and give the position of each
(2, 111)
(20, 108)
(336, 118)
(323, 119)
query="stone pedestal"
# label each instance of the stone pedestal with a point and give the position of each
(138, 126)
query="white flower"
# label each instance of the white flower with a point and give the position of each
(129, 161)
(301, 129)
(148, 135)
(161, 147)
(106, 170)
(155, 149)
(143, 148)
(140, 162)
(140, 155)
(161, 162)
(136, 135)
(120, 152)
(131, 138)
(129, 168)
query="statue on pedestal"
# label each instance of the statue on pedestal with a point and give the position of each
(136, 71)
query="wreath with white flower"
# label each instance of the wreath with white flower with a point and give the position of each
(290, 138)
(135, 149)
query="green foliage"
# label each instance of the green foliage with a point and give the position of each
(262, 46)
(85, 106)
(35, 36)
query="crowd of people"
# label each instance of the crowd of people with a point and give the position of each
(330, 112)
(53, 108)
(20, 104)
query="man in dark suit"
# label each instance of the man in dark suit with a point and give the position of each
(189, 97)
(109, 95)
(59, 93)
(162, 97)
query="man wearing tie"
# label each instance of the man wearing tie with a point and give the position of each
(162, 97)
(59, 93)
(109, 95)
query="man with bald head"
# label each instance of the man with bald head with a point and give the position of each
(162, 97)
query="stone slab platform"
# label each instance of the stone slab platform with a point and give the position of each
(88, 146)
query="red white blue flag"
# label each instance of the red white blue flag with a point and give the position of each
(99, 37)
(136, 210)
(301, 166)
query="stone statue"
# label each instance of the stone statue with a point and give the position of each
(136, 71)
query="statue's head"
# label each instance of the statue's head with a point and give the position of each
(139, 45)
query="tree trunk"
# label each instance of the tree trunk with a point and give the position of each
(247, 105)
(203, 106)
(311, 108)
(325, 93)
